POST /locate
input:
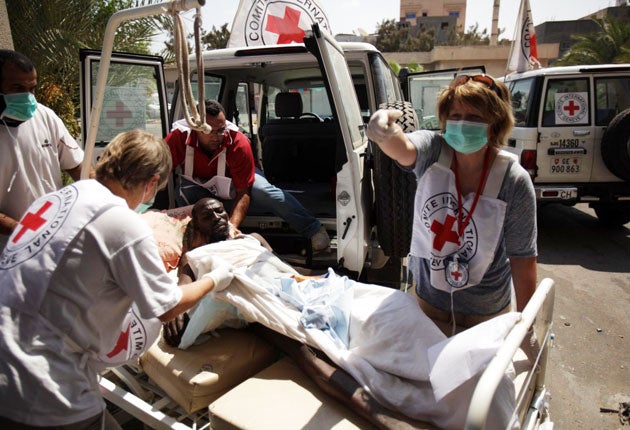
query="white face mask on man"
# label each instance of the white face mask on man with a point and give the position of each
(18, 106)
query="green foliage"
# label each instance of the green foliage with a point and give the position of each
(392, 37)
(217, 38)
(609, 44)
(412, 67)
(415, 67)
(471, 37)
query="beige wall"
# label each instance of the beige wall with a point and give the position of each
(433, 8)
(494, 58)
(6, 41)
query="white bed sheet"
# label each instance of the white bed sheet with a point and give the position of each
(395, 351)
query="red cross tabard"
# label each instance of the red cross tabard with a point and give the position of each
(444, 232)
(286, 28)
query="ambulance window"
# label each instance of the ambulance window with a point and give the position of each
(521, 92)
(566, 103)
(612, 95)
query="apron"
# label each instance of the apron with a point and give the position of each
(219, 185)
(457, 262)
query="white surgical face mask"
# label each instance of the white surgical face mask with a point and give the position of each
(466, 136)
(19, 106)
(144, 206)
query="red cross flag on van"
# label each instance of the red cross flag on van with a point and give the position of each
(275, 22)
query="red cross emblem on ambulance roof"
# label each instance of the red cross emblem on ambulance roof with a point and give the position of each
(32, 221)
(287, 28)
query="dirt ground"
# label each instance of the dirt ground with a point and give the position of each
(589, 365)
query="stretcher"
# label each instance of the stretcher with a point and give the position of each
(244, 379)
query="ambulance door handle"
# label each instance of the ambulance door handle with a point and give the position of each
(581, 132)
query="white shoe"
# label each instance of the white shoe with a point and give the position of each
(320, 240)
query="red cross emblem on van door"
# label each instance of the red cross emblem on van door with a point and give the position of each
(571, 107)
(32, 221)
(287, 28)
(120, 113)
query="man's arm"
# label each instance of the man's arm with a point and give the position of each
(240, 207)
(7, 224)
(76, 172)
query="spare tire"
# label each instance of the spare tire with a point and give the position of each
(615, 145)
(395, 191)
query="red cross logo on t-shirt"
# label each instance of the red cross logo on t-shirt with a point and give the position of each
(32, 221)
(121, 343)
(287, 28)
(444, 232)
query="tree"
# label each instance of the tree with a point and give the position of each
(216, 38)
(394, 37)
(51, 33)
(610, 44)
(411, 67)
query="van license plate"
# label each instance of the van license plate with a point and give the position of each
(562, 165)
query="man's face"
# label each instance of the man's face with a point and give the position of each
(213, 140)
(211, 223)
(16, 81)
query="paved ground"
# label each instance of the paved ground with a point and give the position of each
(589, 365)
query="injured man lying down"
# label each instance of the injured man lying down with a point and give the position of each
(376, 334)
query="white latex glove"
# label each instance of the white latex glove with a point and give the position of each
(383, 125)
(221, 276)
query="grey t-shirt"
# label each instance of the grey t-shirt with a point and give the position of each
(518, 239)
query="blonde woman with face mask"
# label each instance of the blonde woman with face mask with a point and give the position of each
(73, 266)
(474, 228)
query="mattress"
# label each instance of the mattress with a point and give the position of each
(200, 374)
(281, 397)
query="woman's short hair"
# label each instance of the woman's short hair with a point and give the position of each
(133, 157)
(493, 101)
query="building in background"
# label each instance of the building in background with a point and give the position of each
(439, 16)
(561, 31)
(415, 12)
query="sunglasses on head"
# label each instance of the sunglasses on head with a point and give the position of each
(484, 79)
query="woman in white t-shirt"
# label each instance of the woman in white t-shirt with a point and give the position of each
(71, 269)
(474, 229)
